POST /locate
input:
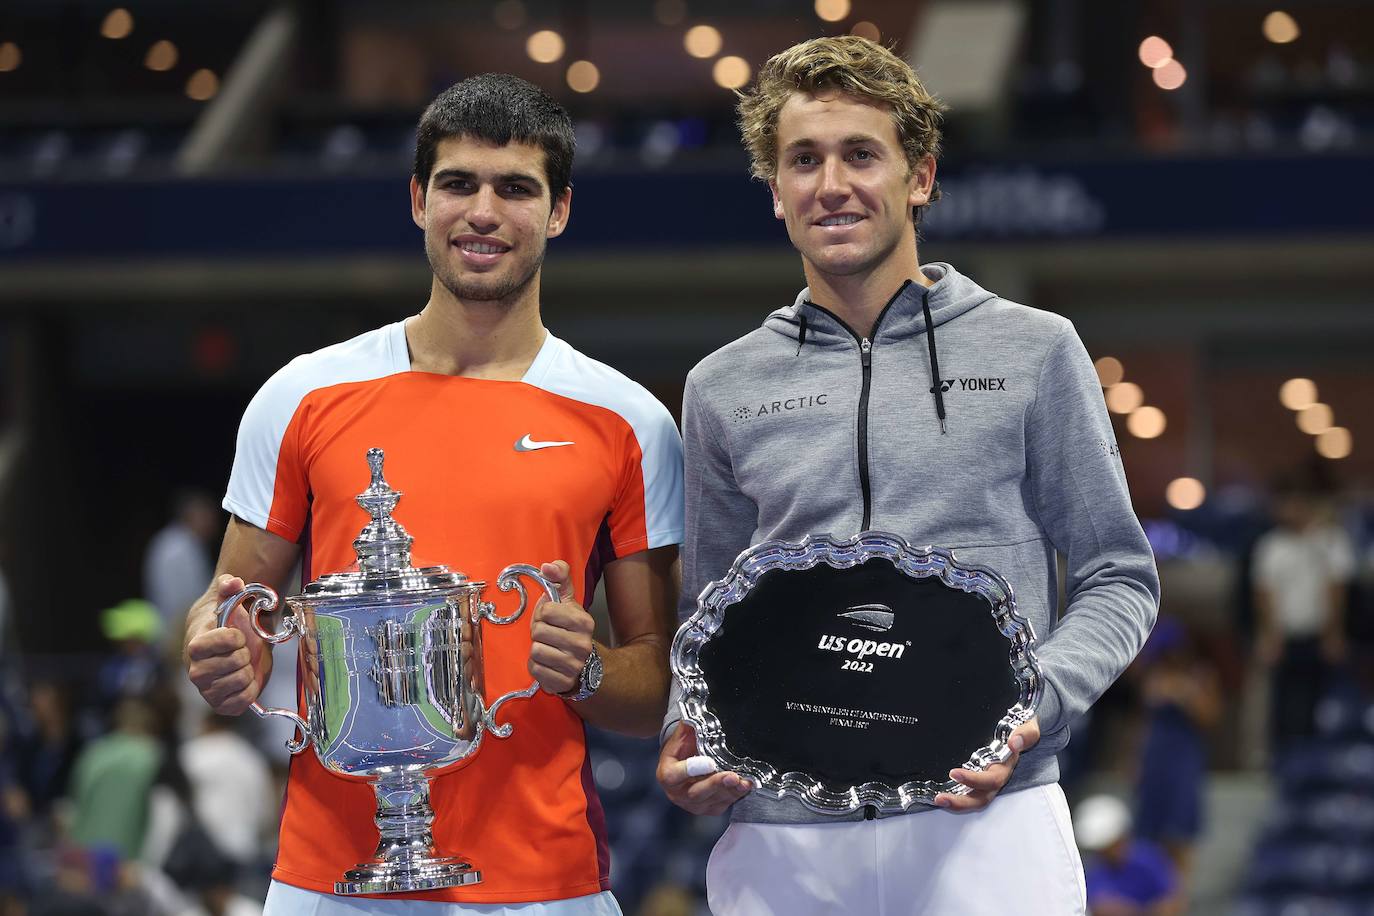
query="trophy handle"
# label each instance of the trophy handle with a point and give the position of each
(264, 601)
(507, 580)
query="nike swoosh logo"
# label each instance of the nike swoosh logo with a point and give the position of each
(526, 444)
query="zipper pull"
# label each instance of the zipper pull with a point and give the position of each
(865, 351)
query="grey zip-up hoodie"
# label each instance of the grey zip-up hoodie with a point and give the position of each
(803, 427)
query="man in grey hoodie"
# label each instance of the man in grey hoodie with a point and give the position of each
(907, 399)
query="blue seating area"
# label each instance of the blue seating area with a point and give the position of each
(1316, 856)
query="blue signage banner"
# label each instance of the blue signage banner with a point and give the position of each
(987, 202)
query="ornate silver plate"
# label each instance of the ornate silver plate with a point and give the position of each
(856, 673)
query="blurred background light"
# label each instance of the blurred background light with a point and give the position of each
(10, 57)
(1185, 493)
(865, 29)
(583, 76)
(161, 56)
(118, 23)
(1155, 52)
(1109, 371)
(591, 137)
(1280, 28)
(702, 41)
(1169, 75)
(1146, 422)
(343, 146)
(120, 155)
(660, 144)
(1315, 418)
(49, 152)
(1124, 397)
(1297, 393)
(609, 774)
(1335, 442)
(202, 85)
(730, 72)
(832, 10)
(544, 46)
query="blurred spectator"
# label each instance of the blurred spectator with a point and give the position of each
(83, 884)
(45, 745)
(14, 811)
(232, 791)
(1183, 701)
(170, 799)
(112, 781)
(133, 626)
(1301, 572)
(1125, 876)
(207, 877)
(176, 565)
(176, 570)
(95, 882)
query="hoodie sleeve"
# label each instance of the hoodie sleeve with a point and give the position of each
(719, 520)
(1080, 494)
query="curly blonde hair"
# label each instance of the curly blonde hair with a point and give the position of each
(849, 64)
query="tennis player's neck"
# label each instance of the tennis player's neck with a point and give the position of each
(858, 299)
(487, 340)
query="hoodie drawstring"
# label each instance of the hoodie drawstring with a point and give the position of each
(936, 388)
(801, 336)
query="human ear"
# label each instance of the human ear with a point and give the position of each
(922, 180)
(558, 216)
(417, 202)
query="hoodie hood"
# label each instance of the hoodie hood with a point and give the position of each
(952, 295)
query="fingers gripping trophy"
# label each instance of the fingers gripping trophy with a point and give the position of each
(393, 684)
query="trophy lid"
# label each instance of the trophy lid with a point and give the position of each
(383, 549)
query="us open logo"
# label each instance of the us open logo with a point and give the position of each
(875, 617)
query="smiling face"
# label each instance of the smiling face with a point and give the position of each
(487, 217)
(844, 187)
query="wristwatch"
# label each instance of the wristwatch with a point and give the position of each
(588, 681)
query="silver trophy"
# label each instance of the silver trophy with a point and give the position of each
(851, 673)
(391, 658)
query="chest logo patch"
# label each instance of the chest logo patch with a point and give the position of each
(970, 384)
(526, 444)
(767, 408)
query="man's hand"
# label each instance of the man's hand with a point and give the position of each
(987, 783)
(562, 634)
(711, 794)
(223, 662)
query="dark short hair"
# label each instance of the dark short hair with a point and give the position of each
(498, 108)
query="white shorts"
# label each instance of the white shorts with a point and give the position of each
(288, 900)
(1016, 856)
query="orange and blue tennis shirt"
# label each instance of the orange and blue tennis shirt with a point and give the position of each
(574, 462)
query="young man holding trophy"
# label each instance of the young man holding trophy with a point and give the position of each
(505, 444)
(899, 398)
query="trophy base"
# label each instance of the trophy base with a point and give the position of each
(419, 874)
